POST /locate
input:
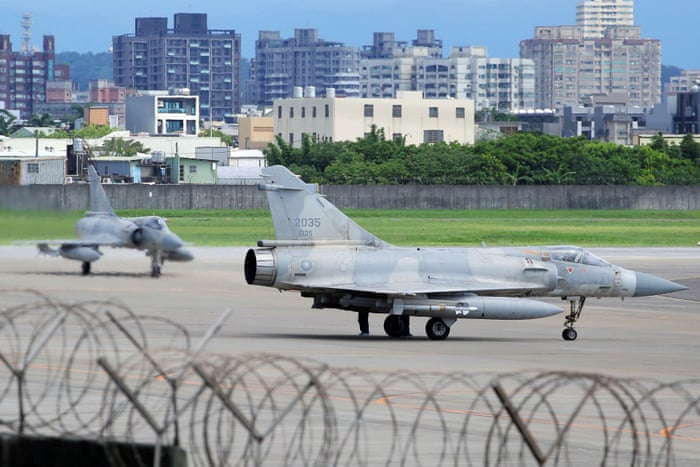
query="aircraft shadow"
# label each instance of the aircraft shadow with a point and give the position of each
(92, 274)
(382, 337)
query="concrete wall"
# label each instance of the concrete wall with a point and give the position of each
(30, 451)
(75, 197)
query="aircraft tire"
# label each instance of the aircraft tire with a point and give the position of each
(393, 326)
(569, 334)
(155, 271)
(86, 268)
(436, 329)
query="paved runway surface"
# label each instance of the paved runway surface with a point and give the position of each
(654, 337)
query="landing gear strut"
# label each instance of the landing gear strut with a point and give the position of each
(156, 263)
(569, 333)
(86, 268)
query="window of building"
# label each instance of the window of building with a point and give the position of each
(303, 112)
(33, 168)
(279, 111)
(291, 112)
(433, 136)
(291, 139)
(328, 111)
(193, 169)
(313, 112)
(396, 111)
(433, 112)
(396, 136)
(459, 112)
(369, 110)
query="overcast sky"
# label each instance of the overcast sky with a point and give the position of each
(500, 25)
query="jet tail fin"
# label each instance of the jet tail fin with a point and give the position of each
(301, 214)
(99, 203)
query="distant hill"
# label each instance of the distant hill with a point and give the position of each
(669, 70)
(87, 66)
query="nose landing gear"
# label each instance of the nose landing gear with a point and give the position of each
(569, 333)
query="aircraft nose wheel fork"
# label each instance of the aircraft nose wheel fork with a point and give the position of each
(569, 333)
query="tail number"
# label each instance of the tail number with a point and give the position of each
(304, 224)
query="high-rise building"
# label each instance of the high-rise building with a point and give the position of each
(468, 73)
(304, 61)
(602, 55)
(595, 16)
(189, 56)
(24, 76)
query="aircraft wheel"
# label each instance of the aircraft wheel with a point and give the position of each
(155, 271)
(569, 334)
(86, 268)
(393, 326)
(436, 329)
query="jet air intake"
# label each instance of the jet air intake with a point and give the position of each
(260, 266)
(136, 237)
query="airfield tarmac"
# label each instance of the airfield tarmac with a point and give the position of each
(651, 337)
(656, 337)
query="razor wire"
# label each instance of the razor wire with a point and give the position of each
(92, 370)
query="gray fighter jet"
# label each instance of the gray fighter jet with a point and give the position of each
(327, 257)
(102, 227)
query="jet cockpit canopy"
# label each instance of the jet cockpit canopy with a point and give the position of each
(575, 254)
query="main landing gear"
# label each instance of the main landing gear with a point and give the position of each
(569, 333)
(86, 268)
(437, 329)
(393, 326)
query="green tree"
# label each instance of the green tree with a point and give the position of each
(92, 131)
(226, 139)
(690, 150)
(120, 147)
(45, 120)
(7, 122)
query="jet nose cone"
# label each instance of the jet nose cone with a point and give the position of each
(652, 285)
(171, 242)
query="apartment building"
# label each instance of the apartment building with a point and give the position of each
(408, 116)
(205, 61)
(689, 80)
(304, 60)
(163, 113)
(570, 66)
(595, 16)
(507, 84)
(25, 75)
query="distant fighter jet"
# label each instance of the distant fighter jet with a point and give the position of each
(326, 256)
(102, 227)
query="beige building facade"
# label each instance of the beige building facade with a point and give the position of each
(255, 132)
(408, 116)
(569, 66)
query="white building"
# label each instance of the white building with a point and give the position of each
(408, 116)
(506, 84)
(163, 113)
(595, 16)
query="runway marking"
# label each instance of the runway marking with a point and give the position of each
(666, 432)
